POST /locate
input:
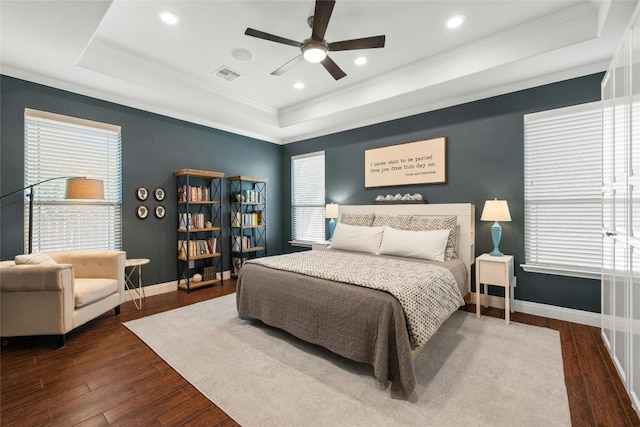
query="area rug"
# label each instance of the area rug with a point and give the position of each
(473, 372)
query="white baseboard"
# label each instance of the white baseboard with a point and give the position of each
(537, 309)
(545, 310)
(157, 289)
(163, 288)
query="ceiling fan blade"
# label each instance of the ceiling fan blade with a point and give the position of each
(333, 68)
(266, 36)
(286, 67)
(354, 44)
(321, 17)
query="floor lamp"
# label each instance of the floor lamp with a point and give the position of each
(77, 188)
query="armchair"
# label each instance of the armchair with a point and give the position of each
(55, 298)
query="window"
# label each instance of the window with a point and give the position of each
(62, 146)
(307, 197)
(563, 191)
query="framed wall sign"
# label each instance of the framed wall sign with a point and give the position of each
(420, 162)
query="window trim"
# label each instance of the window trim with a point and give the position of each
(561, 271)
(541, 267)
(47, 135)
(299, 242)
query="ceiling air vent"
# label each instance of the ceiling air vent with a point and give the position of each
(227, 73)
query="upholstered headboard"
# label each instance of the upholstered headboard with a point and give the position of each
(464, 212)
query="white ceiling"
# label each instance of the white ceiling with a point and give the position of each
(121, 52)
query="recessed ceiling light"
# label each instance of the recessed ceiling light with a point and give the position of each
(168, 17)
(298, 85)
(455, 22)
(361, 60)
(242, 54)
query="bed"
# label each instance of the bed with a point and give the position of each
(378, 309)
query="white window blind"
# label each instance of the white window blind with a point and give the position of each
(307, 197)
(62, 146)
(563, 191)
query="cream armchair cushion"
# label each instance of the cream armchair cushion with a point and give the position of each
(53, 299)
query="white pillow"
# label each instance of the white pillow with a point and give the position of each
(429, 244)
(34, 258)
(356, 238)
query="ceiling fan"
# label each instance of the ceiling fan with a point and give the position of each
(315, 48)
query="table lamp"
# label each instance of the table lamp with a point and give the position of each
(331, 211)
(496, 210)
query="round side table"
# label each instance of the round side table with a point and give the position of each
(135, 264)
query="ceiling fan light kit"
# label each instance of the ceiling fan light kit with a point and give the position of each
(314, 51)
(316, 48)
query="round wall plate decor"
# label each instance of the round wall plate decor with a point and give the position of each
(142, 212)
(160, 211)
(159, 194)
(142, 193)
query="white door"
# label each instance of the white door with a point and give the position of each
(619, 200)
(633, 210)
(608, 266)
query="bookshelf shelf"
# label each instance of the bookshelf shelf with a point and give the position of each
(197, 257)
(203, 283)
(201, 202)
(248, 225)
(199, 226)
(196, 230)
(252, 249)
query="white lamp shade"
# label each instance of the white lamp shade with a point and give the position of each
(495, 210)
(84, 188)
(331, 211)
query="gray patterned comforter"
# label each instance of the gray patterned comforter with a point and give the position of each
(428, 294)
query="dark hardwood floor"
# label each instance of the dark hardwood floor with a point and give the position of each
(106, 376)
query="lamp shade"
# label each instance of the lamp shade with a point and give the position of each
(84, 188)
(331, 210)
(495, 210)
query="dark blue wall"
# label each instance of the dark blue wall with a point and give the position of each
(485, 159)
(153, 148)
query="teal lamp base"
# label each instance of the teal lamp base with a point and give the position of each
(332, 227)
(496, 234)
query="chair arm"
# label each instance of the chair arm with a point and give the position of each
(30, 277)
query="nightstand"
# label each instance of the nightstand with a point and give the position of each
(495, 271)
(320, 246)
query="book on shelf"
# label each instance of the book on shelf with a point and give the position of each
(197, 247)
(253, 196)
(191, 220)
(209, 273)
(240, 243)
(193, 193)
(248, 219)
